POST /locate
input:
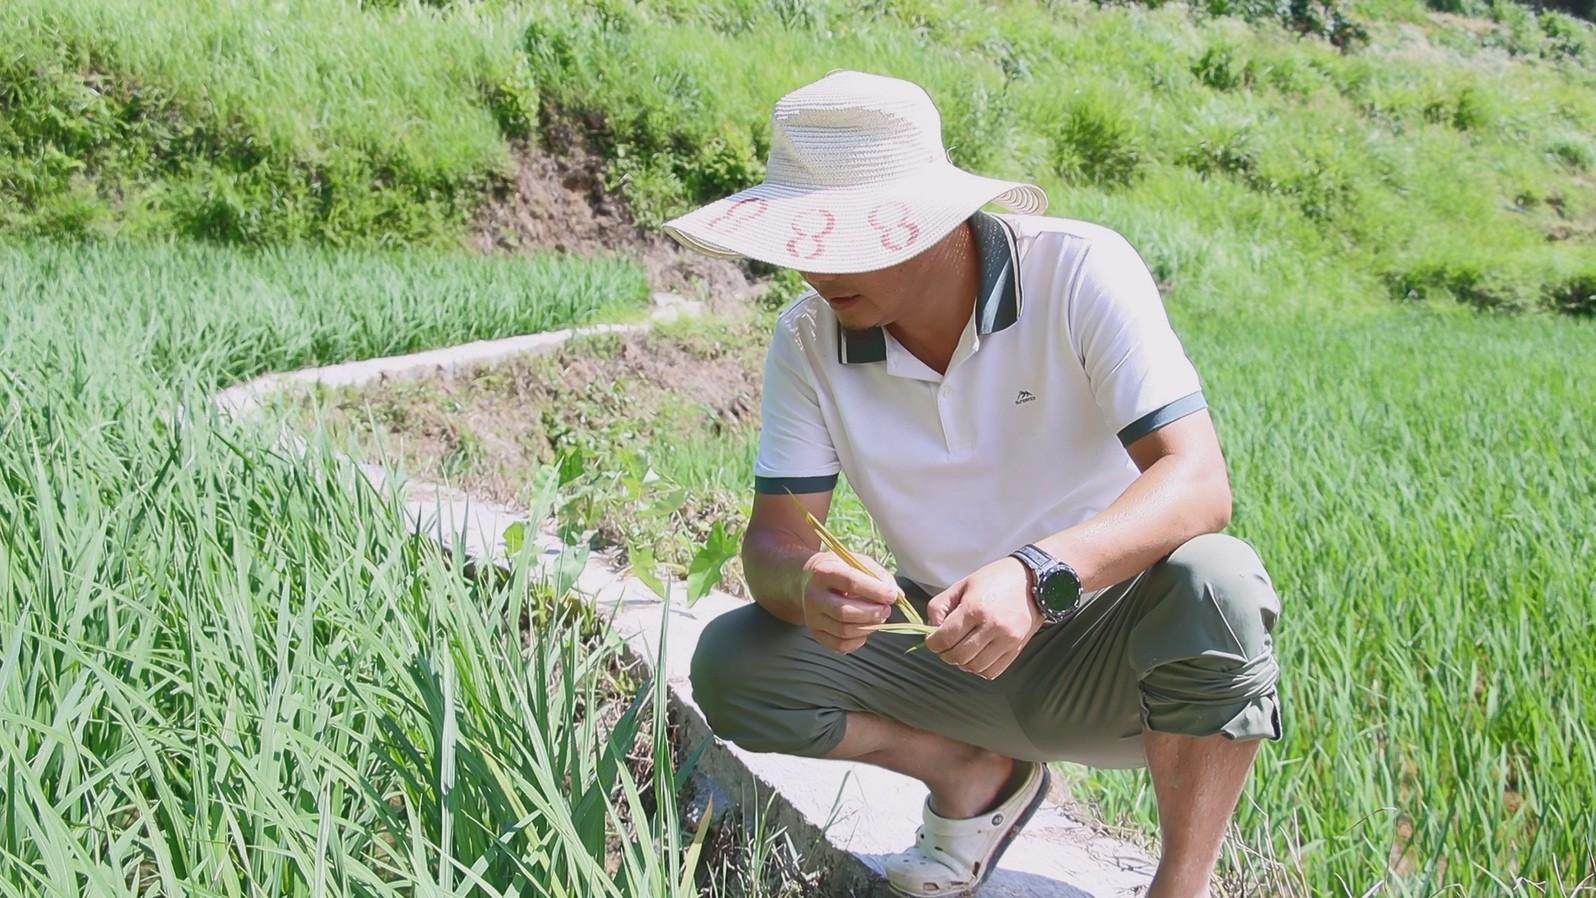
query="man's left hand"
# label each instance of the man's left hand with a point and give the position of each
(984, 620)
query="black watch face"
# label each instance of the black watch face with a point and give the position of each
(1059, 591)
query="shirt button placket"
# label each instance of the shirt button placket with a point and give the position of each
(950, 417)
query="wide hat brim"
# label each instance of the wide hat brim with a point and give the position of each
(847, 229)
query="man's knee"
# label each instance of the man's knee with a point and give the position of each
(725, 662)
(750, 680)
(1204, 650)
(1218, 586)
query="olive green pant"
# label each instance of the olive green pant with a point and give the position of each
(1183, 647)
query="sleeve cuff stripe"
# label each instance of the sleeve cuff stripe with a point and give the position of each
(825, 483)
(1158, 417)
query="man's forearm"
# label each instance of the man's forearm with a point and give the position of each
(1175, 499)
(773, 565)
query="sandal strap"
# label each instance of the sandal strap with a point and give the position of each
(966, 827)
(961, 842)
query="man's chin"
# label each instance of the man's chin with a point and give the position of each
(858, 322)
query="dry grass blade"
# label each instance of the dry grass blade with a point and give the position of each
(830, 541)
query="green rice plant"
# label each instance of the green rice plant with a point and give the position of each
(1439, 505)
(281, 689)
(227, 669)
(222, 316)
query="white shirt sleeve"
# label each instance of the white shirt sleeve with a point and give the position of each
(1138, 371)
(795, 448)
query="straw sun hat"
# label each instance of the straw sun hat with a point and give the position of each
(857, 179)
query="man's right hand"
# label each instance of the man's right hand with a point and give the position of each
(840, 601)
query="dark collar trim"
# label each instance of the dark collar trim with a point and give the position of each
(997, 305)
(856, 347)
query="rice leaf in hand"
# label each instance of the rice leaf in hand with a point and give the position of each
(921, 629)
(831, 542)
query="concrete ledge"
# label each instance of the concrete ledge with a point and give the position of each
(845, 818)
(244, 398)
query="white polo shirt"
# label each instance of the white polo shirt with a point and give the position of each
(1067, 359)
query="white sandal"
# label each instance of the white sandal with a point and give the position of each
(954, 856)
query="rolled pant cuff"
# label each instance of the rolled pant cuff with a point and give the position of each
(1205, 696)
(1252, 718)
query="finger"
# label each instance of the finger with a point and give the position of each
(858, 584)
(969, 648)
(821, 623)
(983, 661)
(854, 631)
(856, 611)
(1000, 665)
(941, 605)
(951, 631)
(833, 612)
(838, 632)
(848, 646)
(838, 629)
(844, 618)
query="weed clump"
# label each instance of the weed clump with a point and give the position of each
(1097, 144)
(1575, 296)
(1512, 290)
(1218, 69)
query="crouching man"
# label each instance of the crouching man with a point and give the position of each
(1005, 394)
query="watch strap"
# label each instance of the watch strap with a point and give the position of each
(1034, 557)
(1044, 567)
(1038, 561)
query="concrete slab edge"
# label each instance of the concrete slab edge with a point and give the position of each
(245, 398)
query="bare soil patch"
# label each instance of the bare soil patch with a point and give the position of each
(558, 201)
(487, 429)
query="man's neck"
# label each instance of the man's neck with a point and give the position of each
(931, 333)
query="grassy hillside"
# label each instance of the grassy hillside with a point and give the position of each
(254, 121)
(1442, 156)
(1249, 165)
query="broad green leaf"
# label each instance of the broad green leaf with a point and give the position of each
(514, 538)
(645, 568)
(569, 568)
(572, 464)
(703, 574)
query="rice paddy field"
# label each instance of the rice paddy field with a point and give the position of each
(226, 670)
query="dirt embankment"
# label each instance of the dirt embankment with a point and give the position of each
(487, 429)
(557, 200)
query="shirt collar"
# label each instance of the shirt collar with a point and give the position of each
(997, 305)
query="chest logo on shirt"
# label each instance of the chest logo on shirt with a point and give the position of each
(1024, 397)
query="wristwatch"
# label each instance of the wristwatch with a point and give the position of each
(1055, 587)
